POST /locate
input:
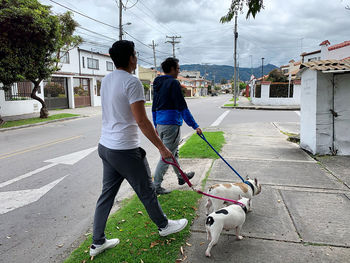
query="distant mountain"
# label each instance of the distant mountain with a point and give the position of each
(226, 72)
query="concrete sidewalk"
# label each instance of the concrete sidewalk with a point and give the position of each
(244, 103)
(302, 213)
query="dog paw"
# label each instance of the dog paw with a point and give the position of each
(239, 237)
(207, 254)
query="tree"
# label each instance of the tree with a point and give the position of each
(223, 81)
(254, 7)
(31, 41)
(276, 75)
(68, 40)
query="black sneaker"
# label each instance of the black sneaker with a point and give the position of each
(162, 191)
(189, 175)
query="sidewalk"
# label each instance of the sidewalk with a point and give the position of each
(302, 213)
(244, 103)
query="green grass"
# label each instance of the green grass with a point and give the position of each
(195, 147)
(230, 105)
(9, 124)
(237, 99)
(139, 238)
(148, 104)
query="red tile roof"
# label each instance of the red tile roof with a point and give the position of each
(340, 45)
(326, 42)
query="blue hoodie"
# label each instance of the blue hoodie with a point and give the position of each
(169, 106)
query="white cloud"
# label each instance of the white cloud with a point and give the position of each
(280, 32)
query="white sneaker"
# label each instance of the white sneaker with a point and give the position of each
(173, 226)
(97, 249)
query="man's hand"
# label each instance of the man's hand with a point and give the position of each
(165, 153)
(198, 130)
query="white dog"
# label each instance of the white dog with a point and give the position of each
(231, 191)
(230, 217)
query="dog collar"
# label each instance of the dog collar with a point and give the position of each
(250, 184)
(244, 208)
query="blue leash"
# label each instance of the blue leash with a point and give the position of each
(204, 139)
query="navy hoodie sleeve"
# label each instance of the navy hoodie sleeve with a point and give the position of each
(181, 105)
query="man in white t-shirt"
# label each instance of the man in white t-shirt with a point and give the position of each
(123, 113)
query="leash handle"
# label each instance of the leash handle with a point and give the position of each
(184, 176)
(174, 163)
(204, 139)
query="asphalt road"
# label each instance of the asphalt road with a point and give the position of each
(50, 178)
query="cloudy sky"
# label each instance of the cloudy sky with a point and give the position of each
(279, 33)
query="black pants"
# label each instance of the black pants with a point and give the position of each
(131, 165)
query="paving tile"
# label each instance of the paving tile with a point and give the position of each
(260, 251)
(269, 218)
(320, 217)
(302, 174)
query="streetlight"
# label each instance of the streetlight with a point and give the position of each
(121, 32)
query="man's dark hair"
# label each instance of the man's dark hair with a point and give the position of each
(169, 63)
(121, 51)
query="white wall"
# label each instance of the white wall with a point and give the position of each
(266, 100)
(18, 107)
(338, 53)
(308, 110)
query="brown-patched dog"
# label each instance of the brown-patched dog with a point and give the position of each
(231, 191)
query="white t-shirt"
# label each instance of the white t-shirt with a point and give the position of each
(119, 89)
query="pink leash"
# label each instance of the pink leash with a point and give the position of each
(184, 176)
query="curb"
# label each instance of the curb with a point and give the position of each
(261, 108)
(38, 124)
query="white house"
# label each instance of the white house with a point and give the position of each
(325, 107)
(338, 51)
(76, 84)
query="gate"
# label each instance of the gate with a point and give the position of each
(55, 93)
(82, 97)
(341, 114)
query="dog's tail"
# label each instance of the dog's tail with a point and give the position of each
(209, 221)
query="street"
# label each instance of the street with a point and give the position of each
(51, 178)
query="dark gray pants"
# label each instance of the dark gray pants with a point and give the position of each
(170, 136)
(131, 165)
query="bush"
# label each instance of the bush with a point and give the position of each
(53, 89)
(80, 91)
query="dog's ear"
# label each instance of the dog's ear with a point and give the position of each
(247, 177)
(256, 181)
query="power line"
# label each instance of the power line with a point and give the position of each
(98, 21)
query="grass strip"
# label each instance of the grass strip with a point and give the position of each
(9, 124)
(230, 105)
(195, 147)
(139, 238)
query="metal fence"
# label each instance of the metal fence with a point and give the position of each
(19, 91)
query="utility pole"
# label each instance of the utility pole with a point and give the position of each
(251, 65)
(262, 69)
(155, 65)
(173, 42)
(120, 20)
(235, 62)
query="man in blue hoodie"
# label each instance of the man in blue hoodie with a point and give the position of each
(169, 109)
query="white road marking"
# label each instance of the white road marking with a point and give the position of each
(27, 174)
(71, 159)
(220, 119)
(15, 199)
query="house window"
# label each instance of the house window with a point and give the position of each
(64, 57)
(92, 63)
(83, 59)
(109, 66)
